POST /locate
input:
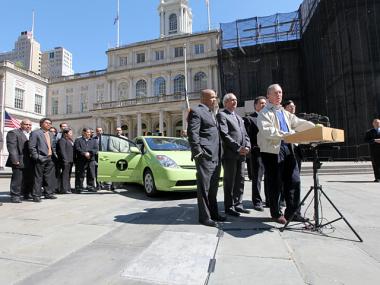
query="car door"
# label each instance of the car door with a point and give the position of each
(117, 162)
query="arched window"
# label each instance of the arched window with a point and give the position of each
(123, 91)
(141, 88)
(200, 81)
(179, 84)
(172, 23)
(159, 86)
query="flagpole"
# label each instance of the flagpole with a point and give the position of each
(185, 61)
(208, 14)
(2, 84)
(118, 24)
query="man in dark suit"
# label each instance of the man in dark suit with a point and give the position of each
(19, 160)
(42, 149)
(65, 153)
(204, 139)
(236, 146)
(86, 149)
(257, 166)
(372, 137)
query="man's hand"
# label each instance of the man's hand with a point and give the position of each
(16, 163)
(244, 151)
(87, 155)
(377, 140)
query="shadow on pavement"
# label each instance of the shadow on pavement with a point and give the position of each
(345, 181)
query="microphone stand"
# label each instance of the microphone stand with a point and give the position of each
(315, 189)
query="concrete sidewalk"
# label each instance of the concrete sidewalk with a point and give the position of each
(123, 237)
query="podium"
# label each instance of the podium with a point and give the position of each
(315, 137)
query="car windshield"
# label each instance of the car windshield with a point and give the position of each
(168, 144)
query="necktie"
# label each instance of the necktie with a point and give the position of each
(47, 137)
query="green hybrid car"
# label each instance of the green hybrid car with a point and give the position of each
(158, 163)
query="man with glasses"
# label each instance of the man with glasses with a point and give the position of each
(42, 149)
(19, 160)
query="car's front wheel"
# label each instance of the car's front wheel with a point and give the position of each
(149, 186)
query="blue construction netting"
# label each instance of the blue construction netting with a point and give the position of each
(259, 30)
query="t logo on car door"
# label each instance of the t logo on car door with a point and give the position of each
(122, 165)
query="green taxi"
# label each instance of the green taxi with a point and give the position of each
(158, 163)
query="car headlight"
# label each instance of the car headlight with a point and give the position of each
(166, 161)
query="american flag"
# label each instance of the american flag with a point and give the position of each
(10, 122)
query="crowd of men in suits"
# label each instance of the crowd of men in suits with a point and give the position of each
(42, 160)
(224, 138)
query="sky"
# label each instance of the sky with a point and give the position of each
(86, 27)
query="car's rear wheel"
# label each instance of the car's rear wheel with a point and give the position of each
(149, 185)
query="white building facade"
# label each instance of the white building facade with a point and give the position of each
(143, 87)
(56, 62)
(23, 96)
(26, 53)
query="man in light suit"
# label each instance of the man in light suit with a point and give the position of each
(42, 149)
(19, 160)
(205, 143)
(236, 145)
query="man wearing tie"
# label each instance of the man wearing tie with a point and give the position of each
(236, 146)
(372, 137)
(42, 149)
(205, 146)
(19, 160)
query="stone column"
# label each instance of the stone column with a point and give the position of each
(169, 125)
(161, 121)
(118, 121)
(184, 119)
(130, 95)
(139, 131)
(149, 86)
(110, 90)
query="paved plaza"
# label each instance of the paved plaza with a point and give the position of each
(123, 237)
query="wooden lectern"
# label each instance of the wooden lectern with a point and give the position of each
(318, 134)
(314, 137)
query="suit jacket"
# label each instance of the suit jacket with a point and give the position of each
(65, 151)
(370, 137)
(233, 133)
(18, 149)
(203, 134)
(38, 146)
(81, 146)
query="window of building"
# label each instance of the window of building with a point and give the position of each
(38, 104)
(83, 103)
(179, 84)
(200, 81)
(159, 54)
(123, 91)
(178, 51)
(172, 24)
(123, 61)
(51, 55)
(19, 98)
(54, 106)
(141, 88)
(199, 48)
(69, 104)
(140, 57)
(159, 86)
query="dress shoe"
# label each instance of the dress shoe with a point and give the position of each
(36, 199)
(27, 197)
(50, 197)
(15, 200)
(242, 210)
(376, 180)
(299, 218)
(280, 220)
(78, 191)
(209, 223)
(258, 207)
(232, 213)
(91, 189)
(219, 218)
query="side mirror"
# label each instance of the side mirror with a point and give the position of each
(134, 149)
